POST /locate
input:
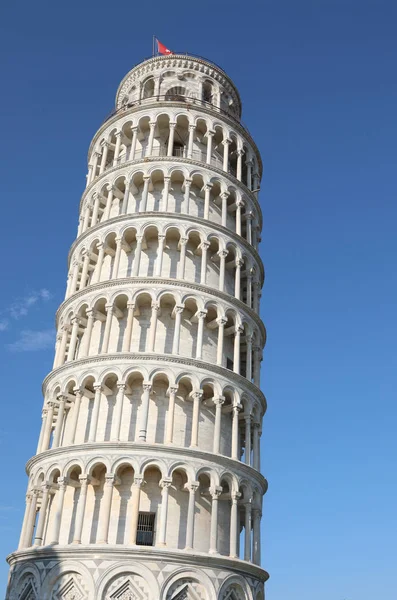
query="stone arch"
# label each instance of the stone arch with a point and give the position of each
(137, 577)
(65, 577)
(235, 587)
(197, 583)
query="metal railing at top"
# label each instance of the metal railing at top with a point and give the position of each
(189, 102)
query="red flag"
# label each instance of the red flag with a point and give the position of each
(161, 49)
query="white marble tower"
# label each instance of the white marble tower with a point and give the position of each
(146, 484)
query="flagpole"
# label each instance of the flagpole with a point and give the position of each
(154, 43)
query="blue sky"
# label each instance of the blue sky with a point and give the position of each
(317, 78)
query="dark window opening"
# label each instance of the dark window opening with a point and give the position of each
(229, 364)
(182, 594)
(145, 531)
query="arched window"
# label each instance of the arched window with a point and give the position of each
(148, 88)
(176, 94)
(208, 92)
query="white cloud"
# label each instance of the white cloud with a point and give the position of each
(31, 341)
(20, 307)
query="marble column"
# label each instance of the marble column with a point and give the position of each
(215, 493)
(169, 434)
(38, 540)
(81, 506)
(195, 418)
(192, 488)
(144, 411)
(218, 401)
(95, 413)
(57, 519)
(106, 507)
(165, 485)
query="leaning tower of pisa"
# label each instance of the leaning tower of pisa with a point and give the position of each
(146, 484)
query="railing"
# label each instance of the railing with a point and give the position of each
(176, 98)
(200, 156)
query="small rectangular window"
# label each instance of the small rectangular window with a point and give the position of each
(145, 531)
(229, 364)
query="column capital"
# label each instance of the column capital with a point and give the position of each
(208, 186)
(173, 389)
(219, 400)
(91, 313)
(138, 480)
(216, 491)
(221, 321)
(192, 486)
(161, 237)
(109, 480)
(152, 124)
(118, 133)
(240, 152)
(62, 483)
(179, 308)
(238, 329)
(201, 314)
(240, 203)
(109, 308)
(105, 144)
(121, 386)
(134, 128)
(46, 487)
(62, 397)
(75, 320)
(239, 262)
(226, 141)
(97, 387)
(183, 241)
(235, 496)
(222, 253)
(165, 482)
(224, 194)
(147, 386)
(156, 305)
(247, 418)
(77, 392)
(204, 245)
(84, 480)
(197, 394)
(192, 126)
(172, 124)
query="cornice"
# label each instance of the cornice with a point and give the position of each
(163, 281)
(161, 449)
(136, 357)
(235, 124)
(179, 217)
(118, 553)
(177, 160)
